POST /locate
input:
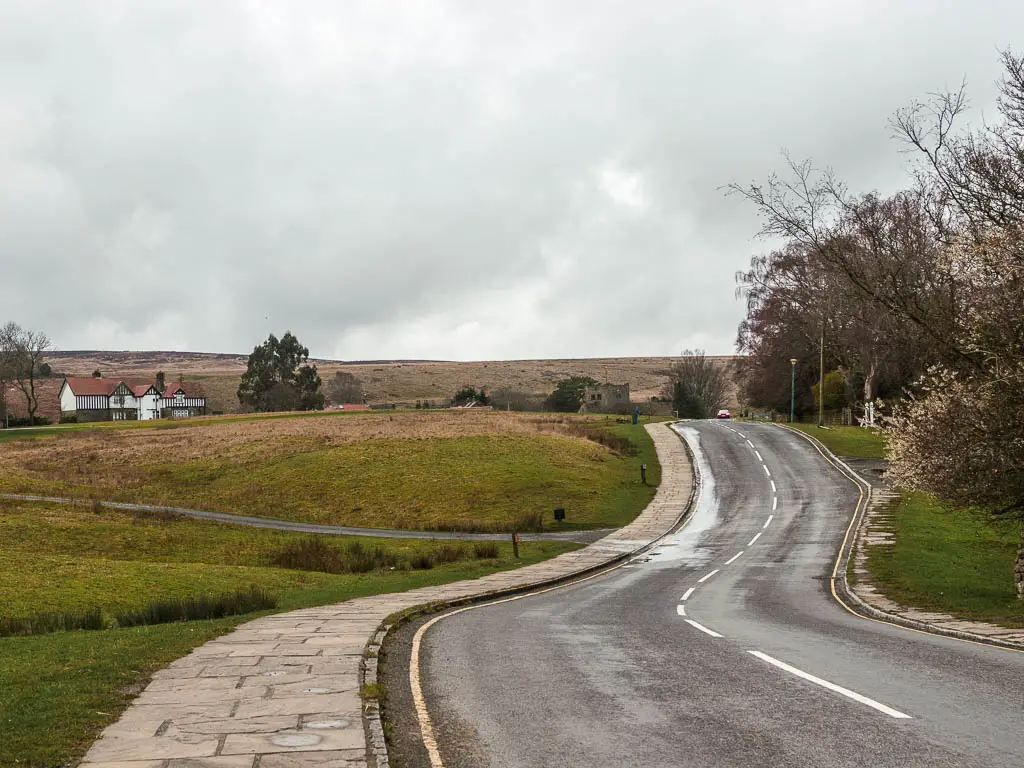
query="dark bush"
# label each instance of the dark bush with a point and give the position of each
(42, 623)
(422, 561)
(315, 554)
(487, 550)
(40, 421)
(71, 418)
(199, 607)
(449, 553)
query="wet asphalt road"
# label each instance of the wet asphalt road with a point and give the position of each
(609, 673)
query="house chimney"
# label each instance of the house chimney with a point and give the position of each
(96, 374)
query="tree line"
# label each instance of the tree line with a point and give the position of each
(915, 297)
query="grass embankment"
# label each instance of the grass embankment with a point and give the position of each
(433, 471)
(854, 442)
(58, 690)
(953, 560)
(942, 558)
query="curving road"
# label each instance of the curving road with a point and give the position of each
(724, 648)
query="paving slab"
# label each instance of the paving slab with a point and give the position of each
(285, 687)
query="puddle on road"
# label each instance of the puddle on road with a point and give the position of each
(684, 548)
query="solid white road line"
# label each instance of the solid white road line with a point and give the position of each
(774, 489)
(765, 467)
(707, 576)
(831, 686)
(758, 454)
(734, 558)
(775, 503)
(687, 593)
(768, 521)
(751, 542)
(681, 609)
(702, 628)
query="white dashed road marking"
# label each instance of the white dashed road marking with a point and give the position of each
(758, 454)
(702, 628)
(751, 542)
(831, 686)
(687, 593)
(707, 576)
(774, 489)
(735, 557)
(768, 521)
(681, 610)
(765, 468)
(775, 503)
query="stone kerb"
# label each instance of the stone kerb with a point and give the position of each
(284, 690)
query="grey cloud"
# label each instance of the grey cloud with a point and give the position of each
(433, 179)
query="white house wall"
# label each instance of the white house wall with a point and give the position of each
(68, 403)
(149, 407)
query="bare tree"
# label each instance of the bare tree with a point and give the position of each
(23, 349)
(698, 387)
(345, 388)
(974, 181)
(6, 369)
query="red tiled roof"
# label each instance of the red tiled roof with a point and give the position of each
(91, 386)
(355, 407)
(190, 388)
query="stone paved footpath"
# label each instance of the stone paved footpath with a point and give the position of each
(283, 690)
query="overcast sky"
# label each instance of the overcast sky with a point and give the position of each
(457, 180)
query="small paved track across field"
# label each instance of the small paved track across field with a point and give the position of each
(579, 537)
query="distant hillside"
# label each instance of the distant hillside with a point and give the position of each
(383, 380)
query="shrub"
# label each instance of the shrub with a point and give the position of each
(71, 418)
(199, 607)
(449, 553)
(42, 623)
(39, 421)
(485, 550)
(422, 561)
(315, 554)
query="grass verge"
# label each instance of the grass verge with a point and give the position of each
(957, 561)
(854, 442)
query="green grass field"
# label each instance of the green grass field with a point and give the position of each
(59, 689)
(854, 442)
(956, 561)
(486, 482)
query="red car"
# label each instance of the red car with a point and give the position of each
(723, 414)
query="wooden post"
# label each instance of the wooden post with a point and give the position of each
(515, 545)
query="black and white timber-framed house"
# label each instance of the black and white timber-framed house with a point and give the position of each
(178, 403)
(126, 399)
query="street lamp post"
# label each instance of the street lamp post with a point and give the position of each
(792, 388)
